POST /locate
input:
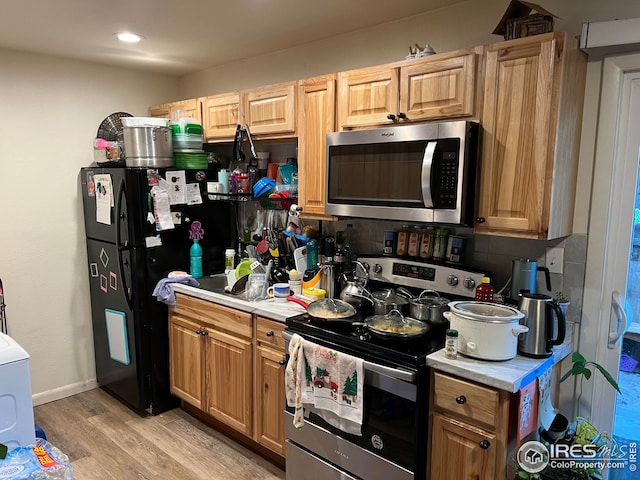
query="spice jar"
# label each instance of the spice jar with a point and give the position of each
(413, 247)
(403, 241)
(451, 344)
(426, 244)
(440, 245)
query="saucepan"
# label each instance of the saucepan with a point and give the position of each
(327, 309)
(394, 325)
(429, 306)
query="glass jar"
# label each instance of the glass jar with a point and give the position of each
(413, 245)
(427, 242)
(229, 259)
(451, 344)
(440, 245)
(403, 241)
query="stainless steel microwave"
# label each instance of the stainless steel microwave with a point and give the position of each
(416, 173)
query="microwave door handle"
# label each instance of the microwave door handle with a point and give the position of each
(427, 165)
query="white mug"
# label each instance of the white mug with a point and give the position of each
(279, 292)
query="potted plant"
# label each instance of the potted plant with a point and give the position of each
(580, 431)
(562, 301)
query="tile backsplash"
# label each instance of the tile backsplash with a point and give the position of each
(493, 254)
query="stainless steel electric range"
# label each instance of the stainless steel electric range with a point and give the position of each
(393, 444)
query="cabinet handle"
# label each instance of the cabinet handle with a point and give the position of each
(198, 332)
(391, 117)
(269, 333)
(484, 444)
(283, 362)
(402, 115)
(461, 400)
(481, 220)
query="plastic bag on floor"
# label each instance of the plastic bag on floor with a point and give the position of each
(41, 461)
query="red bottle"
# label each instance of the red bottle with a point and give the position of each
(485, 291)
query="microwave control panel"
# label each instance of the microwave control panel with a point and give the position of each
(444, 175)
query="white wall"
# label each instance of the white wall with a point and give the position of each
(50, 112)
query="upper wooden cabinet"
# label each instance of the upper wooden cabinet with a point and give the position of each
(267, 111)
(270, 110)
(316, 118)
(435, 87)
(221, 116)
(533, 96)
(187, 108)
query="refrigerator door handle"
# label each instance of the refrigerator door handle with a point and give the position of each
(121, 216)
(125, 276)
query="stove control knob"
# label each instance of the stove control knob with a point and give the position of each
(469, 283)
(366, 266)
(452, 280)
(377, 268)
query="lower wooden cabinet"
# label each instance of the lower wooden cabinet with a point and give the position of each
(210, 360)
(270, 361)
(230, 365)
(472, 428)
(460, 451)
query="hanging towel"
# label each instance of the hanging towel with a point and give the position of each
(328, 382)
(164, 289)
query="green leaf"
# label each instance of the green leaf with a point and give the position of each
(607, 375)
(3, 451)
(587, 373)
(577, 357)
(566, 375)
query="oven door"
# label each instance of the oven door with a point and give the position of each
(394, 430)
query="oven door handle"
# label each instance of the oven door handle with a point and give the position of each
(397, 373)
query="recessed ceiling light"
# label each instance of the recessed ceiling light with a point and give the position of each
(128, 37)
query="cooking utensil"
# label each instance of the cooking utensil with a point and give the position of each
(386, 300)
(327, 309)
(429, 306)
(486, 331)
(539, 317)
(355, 293)
(394, 325)
(148, 147)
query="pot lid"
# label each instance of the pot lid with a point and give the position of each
(487, 312)
(389, 296)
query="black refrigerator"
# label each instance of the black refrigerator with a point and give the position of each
(127, 256)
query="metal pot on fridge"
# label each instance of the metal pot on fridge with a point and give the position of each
(542, 316)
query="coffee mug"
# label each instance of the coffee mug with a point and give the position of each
(279, 292)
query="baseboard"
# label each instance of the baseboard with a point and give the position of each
(63, 392)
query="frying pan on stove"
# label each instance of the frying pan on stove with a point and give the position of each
(327, 309)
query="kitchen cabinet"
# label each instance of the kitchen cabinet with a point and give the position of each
(221, 116)
(316, 118)
(270, 362)
(470, 429)
(270, 110)
(187, 108)
(532, 114)
(434, 87)
(211, 358)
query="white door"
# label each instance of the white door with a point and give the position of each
(609, 247)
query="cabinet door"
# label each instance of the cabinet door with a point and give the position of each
(186, 108)
(367, 96)
(519, 132)
(438, 88)
(186, 359)
(271, 110)
(316, 118)
(270, 398)
(228, 379)
(160, 111)
(460, 451)
(221, 116)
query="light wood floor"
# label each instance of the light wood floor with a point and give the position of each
(105, 440)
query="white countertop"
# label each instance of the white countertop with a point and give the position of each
(509, 375)
(266, 308)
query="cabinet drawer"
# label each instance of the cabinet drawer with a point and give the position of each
(465, 400)
(214, 315)
(269, 332)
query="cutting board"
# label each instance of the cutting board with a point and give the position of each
(300, 259)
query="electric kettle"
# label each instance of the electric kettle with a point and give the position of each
(523, 277)
(539, 314)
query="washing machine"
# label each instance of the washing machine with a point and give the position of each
(16, 407)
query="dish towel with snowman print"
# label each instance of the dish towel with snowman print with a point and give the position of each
(327, 382)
